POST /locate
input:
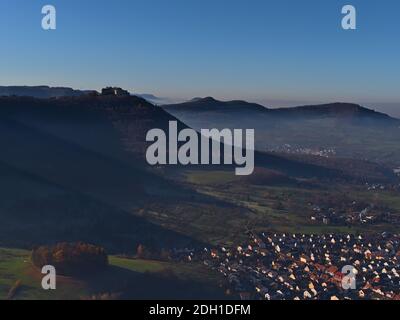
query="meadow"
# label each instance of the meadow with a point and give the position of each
(124, 279)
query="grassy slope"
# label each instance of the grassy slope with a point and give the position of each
(131, 279)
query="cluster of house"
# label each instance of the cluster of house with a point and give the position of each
(353, 214)
(287, 148)
(309, 267)
(375, 186)
(382, 187)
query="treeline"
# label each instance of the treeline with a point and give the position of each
(71, 258)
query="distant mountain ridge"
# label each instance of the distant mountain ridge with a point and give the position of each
(41, 91)
(346, 130)
(210, 104)
(336, 109)
(155, 99)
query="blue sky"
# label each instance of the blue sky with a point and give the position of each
(258, 50)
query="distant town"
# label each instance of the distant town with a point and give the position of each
(288, 148)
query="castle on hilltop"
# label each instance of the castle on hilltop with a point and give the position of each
(114, 91)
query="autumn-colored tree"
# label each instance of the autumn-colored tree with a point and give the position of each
(71, 258)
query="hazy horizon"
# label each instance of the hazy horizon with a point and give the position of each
(265, 51)
(391, 108)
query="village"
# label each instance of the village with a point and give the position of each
(278, 266)
(353, 213)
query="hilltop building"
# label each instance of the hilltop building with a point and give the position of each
(114, 91)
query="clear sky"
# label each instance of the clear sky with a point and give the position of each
(260, 50)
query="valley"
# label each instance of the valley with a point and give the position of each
(74, 169)
(350, 130)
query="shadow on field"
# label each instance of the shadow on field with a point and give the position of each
(120, 283)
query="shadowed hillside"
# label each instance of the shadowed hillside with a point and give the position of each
(67, 174)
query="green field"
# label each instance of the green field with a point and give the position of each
(283, 208)
(124, 279)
